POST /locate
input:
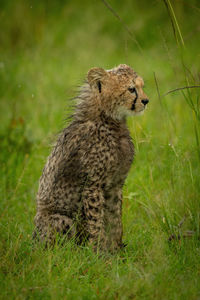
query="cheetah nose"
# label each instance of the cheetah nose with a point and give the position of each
(145, 101)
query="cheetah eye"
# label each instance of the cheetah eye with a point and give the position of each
(132, 90)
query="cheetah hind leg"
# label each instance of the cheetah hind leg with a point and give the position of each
(48, 227)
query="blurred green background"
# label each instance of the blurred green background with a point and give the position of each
(46, 50)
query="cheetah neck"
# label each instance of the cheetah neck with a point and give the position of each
(89, 108)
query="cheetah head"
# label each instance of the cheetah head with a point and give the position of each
(119, 91)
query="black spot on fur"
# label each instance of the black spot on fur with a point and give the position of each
(99, 86)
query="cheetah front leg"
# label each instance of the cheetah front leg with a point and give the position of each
(93, 203)
(113, 218)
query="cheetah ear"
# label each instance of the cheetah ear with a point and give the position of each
(95, 77)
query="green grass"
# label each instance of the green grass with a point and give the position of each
(46, 49)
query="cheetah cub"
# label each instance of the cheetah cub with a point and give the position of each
(80, 190)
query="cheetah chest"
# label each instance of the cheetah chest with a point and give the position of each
(126, 152)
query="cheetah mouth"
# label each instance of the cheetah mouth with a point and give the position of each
(138, 112)
(133, 109)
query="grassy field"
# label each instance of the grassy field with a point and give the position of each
(46, 49)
